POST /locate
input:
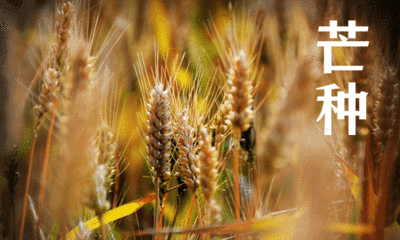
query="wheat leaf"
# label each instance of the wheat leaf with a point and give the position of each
(352, 179)
(360, 229)
(113, 214)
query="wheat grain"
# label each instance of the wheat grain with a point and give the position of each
(221, 123)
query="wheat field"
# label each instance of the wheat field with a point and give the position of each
(195, 120)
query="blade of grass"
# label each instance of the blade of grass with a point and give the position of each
(28, 180)
(189, 215)
(386, 181)
(359, 229)
(199, 214)
(236, 170)
(36, 218)
(117, 213)
(162, 213)
(116, 185)
(113, 214)
(156, 217)
(385, 191)
(274, 222)
(368, 210)
(45, 167)
(271, 223)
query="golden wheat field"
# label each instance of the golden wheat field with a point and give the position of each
(196, 119)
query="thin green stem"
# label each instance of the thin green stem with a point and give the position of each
(103, 230)
(236, 171)
(199, 214)
(189, 215)
(156, 217)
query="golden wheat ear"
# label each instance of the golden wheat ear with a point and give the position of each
(104, 149)
(240, 93)
(208, 166)
(158, 138)
(104, 163)
(58, 64)
(240, 102)
(59, 51)
(48, 101)
(239, 47)
(187, 160)
(159, 132)
(74, 167)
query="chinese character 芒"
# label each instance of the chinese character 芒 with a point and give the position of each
(333, 30)
(352, 112)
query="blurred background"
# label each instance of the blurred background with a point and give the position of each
(20, 15)
(177, 27)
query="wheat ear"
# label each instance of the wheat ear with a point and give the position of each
(384, 108)
(159, 139)
(240, 102)
(384, 112)
(47, 101)
(208, 161)
(240, 93)
(48, 98)
(188, 162)
(63, 33)
(354, 144)
(104, 148)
